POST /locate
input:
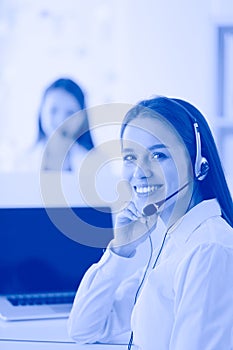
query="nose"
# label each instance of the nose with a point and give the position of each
(142, 172)
(58, 119)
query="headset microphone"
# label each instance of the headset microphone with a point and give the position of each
(152, 208)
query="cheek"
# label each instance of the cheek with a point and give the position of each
(183, 168)
(127, 172)
(170, 175)
(158, 170)
(176, 174)
(74, 124)
(46, 123)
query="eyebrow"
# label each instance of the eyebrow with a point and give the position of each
(152, 148)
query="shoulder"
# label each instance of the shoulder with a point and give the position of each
(205, 261)
(212, 239)
(213, 232)
(78, 154)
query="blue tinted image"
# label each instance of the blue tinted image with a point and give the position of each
(36, 257)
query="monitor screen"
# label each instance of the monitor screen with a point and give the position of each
(37, 257)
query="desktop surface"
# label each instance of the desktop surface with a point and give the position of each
(4, 345)
(44, 335)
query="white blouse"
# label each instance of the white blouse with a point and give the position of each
(186, 301)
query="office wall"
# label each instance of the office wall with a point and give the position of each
(119, 51)
(169, 48)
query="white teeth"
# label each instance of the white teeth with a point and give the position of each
(146, 189)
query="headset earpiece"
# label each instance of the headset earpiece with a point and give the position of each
(204, 168)
(201, 166)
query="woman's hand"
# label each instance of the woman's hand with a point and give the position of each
(131, 229)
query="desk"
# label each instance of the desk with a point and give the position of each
(35, 330)
(43, 335)
(58, 346)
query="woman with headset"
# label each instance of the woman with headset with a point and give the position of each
(181, 213)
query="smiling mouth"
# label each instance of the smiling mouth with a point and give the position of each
(146, 190)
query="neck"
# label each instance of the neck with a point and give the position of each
(176, 209)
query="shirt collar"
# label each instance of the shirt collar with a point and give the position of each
(182, 229)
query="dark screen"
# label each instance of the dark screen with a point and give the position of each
(36, 257)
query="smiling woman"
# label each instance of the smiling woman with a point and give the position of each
(166, 279)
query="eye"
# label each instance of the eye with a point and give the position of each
(128, 158)
(69, 113)
(158, 156)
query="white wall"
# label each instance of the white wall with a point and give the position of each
(119, 51)
(169, 49)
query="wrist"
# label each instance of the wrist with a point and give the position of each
(124, 251)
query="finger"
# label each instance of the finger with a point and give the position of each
(130, 214)
(131, 206)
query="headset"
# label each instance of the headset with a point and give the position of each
(201, 165)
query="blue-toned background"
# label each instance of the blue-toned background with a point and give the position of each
(119, 51)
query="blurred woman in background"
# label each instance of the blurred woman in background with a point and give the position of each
(63, 137)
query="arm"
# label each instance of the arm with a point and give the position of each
(103, 304)
(203, 312)
(105, 299)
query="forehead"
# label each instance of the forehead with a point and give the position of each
(60, 96)
(148, 131)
